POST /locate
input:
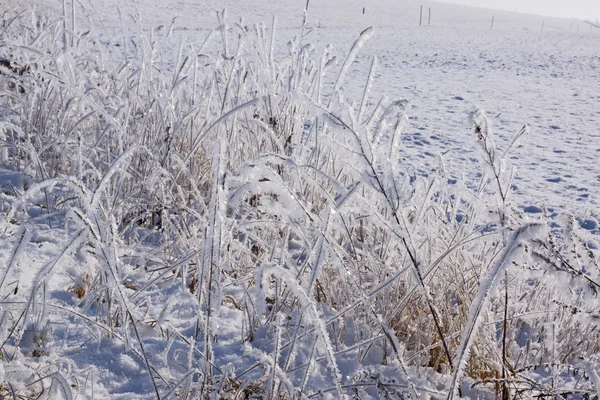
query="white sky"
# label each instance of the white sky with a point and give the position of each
(582, 9)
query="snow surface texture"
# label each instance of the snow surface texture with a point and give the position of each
(242, 218)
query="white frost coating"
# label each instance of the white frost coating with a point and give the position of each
(400, 349)
(272, 46)
(393, 118)
(17, 254)
(36, 189)
(324, 64)
(222, 118)
(268, 362)
(362, 39)
(64, 385)
(307, 300)
(479, 304)
(321, 254)
(116, 167)
(4, 128)
(594, 377)
(167, 312)
(367, 89)
(77, 241)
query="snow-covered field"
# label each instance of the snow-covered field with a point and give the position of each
(187, 217)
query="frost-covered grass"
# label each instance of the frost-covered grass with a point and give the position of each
(230, 224)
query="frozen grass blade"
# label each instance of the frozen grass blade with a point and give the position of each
(16, 254)
(368, 84)
(358, 44)
(515, 244)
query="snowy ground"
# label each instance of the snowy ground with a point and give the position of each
(516, 72)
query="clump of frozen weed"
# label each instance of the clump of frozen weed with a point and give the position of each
(223, 199)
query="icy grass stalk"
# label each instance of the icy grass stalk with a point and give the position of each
(212, 256)
(323, 342)
(384, 187)
(16, 254)
(358, 44)
(514, 249)
(363, 102)
(497, 162)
